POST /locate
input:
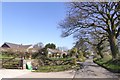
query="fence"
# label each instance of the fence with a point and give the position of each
(12, 63)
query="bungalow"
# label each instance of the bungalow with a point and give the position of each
(19, 48)
(14, 47)
(53, 53)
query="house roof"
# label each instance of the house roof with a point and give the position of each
(12, 45)
(15, 47)
(56, 51)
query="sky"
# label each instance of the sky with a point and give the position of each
(33, 22)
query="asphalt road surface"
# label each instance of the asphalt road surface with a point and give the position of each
(92, 70)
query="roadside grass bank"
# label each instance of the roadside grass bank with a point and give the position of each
(55, 68)
(110, 65)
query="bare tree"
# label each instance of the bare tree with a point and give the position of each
(81, 45)
(88, 16)
(99, 43)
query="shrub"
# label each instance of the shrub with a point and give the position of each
(74, 61)
(81, 58)
(60, 61)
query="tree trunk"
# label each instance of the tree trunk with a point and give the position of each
(113, 46)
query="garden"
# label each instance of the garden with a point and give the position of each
(68, 62)
(40, 62)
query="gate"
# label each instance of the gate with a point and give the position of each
(12, 63)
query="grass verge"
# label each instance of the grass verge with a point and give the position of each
(55, 68)
(61, 59)
(111, 65)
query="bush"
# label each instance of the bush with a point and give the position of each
(74, 61)
(81, 58)
(55, 61)
(60, 61)
(6, 55)
(34, 55)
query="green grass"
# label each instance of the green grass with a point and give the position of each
(113, 65)
(63, 59)
(106, 59)
(55, 68)
(5, 56)
(101, 61)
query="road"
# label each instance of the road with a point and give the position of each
(92, 70)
